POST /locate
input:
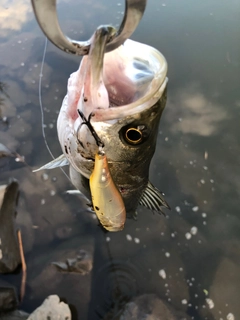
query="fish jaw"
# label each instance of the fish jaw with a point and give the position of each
(86, 89)
(94, 93)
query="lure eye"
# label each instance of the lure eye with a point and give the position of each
(133, 135)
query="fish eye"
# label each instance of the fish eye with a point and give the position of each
(133, 135)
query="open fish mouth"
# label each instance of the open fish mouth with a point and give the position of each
(132, 74)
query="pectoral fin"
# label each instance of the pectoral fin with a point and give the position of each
(153, 199)
(56, 163)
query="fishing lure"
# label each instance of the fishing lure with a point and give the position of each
(106, 198)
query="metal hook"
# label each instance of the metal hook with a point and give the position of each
(46, 15)
(90, 127)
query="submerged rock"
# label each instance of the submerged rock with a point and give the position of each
(224, 290)
(9, 248)
(15, 315)
(52, 309)
(8, 299)
(45, 278)
(150, 307)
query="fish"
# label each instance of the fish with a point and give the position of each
(114, 102)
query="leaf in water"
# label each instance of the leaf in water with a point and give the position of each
(82, 264)
(61, 265)
(61, 161)
(5, 152)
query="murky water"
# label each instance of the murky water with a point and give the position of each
(191, 258)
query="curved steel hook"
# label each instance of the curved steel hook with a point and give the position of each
(46, 15)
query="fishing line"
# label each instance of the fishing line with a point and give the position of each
(42, 115)
(41, 106)
(40, 98)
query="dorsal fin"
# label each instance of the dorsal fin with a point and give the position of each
(153, 199)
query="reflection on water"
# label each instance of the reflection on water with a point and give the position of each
(116, 283)
(13, 17)
(200, 115)
(190, 259)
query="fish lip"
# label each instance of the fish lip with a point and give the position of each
(138, 106)
(158, 64)
(81, 159)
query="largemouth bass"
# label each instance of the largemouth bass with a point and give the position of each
(122, 95)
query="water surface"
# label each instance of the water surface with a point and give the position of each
(196, 163)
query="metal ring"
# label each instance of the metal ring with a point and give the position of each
(46, 15)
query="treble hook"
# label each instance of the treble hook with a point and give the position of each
(87, 122)
(46, 15)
